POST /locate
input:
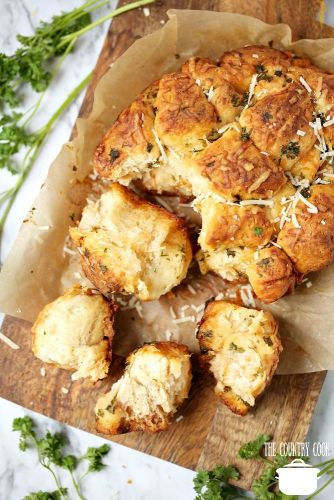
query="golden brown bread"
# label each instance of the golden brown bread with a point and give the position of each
(128, 244)
(255, 127)
(238, 170)
(311, 246)
(129, 144)
(273, 128)
(241, 348)
(75, 332)
(271, 274)
(226, 100)
(155, 383)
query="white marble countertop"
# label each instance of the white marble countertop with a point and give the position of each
(130, 475)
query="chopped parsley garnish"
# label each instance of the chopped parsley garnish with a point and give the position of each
(244, 134)
(213, 136)
(264, 262)
(239, 100)
(258, 230)
(149, 147)
(234, 347)
(278, 72)
(291, 150)
(266, 116)
(113, 155)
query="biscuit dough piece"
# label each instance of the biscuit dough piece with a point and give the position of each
(311, 246)
(241, 348)
(271, 274)
(273, 123)
(237, 169)
(128, 244)
(155, 382)
(75, 332)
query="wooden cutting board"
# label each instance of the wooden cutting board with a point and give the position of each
(208, 434)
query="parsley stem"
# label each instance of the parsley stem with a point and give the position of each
(48, 467)
(320, 489)
(321, 464)
(76, 486)
(35, 148)
(114, 13)
(326, 469)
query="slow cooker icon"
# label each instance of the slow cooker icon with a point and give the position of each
(297, 478)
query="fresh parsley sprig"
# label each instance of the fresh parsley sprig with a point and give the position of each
(50, 449)
(32, 62)
(214, 484)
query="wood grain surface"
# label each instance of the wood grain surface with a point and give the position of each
(208, 434)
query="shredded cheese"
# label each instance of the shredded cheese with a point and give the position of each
(8, 341)
(329, 123)
(185, 319)
(305, 84)
(251, 89)
(269, 203)
(160, 146)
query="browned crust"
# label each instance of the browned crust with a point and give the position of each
(271, 275)
(252, 227)
(274, 120)
(131, 132)
(311, 248)
(234, 165)
(239, 65)
(181, 105)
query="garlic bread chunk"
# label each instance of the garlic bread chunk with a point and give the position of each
(309, 239)
(237, 169)
(271, 274)
(274, 127)
(230, 235)
(241, 348)
(75, 332)
(156, 381)
(129, 147)
(128, 244)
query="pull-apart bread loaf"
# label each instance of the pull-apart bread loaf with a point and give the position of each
(128, 244)
(75, 332)
(241, 348)
(250, 137)
(155, 382)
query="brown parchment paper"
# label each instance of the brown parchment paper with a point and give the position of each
(37, 269)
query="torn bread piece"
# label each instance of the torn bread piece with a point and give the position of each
(128, 244)
(155, 383)
(241, 348)
(75, 333)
